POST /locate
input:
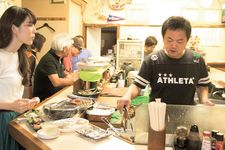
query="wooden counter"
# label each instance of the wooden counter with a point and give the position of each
(27, 137)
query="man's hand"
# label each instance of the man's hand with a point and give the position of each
(123, 102)
(208, 103)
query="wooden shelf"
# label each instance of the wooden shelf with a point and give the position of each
(147, 25)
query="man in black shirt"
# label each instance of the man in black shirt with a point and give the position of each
(174, 73)
(49, 75)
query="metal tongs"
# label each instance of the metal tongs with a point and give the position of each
(110, 125)
(129, 119)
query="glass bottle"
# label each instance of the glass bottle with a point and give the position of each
(213, 139)
(193, 139)
(180, 138)
(206, 141)
(219, 141)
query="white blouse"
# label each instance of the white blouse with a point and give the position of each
(11, 87)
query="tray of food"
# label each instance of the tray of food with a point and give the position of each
(93, 132)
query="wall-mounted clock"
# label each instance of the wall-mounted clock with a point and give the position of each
(117, 4)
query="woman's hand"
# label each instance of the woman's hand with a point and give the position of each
(20, 105)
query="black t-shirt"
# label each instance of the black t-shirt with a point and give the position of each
(49, 64)
(173, 80)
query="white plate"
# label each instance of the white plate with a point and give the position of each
(48, 134)
(68, 125)
(102, 112)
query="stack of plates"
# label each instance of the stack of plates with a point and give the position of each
(90, 66)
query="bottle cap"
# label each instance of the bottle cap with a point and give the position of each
(213, 133)
(206, 133)
(194, 128)
(181, 131)
(219, 136)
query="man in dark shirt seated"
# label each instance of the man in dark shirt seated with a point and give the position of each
(49, 75)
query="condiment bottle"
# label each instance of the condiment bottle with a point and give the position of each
(213, 139)
(219, 141)
(206, 141)
(193, 139)
(180, 138)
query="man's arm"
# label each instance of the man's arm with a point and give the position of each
(203, 95)
(56, 81)
(132, 92)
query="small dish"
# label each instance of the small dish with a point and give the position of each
(48, 133)
(96, 114)
(70, 124)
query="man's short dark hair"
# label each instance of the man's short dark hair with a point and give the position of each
(177, 23)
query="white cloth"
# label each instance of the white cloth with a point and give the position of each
(11, 87)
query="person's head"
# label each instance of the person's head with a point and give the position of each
(38, 42)
(150, 43)
(61, 44)
(81, 38)
(18, 23)
(17, 28)
(176, 32)
(77, 46)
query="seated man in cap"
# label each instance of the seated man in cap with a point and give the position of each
(49, 75)
(84, 54)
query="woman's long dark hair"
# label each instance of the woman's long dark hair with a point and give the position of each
(16, 16)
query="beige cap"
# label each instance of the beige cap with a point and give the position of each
(77, 42)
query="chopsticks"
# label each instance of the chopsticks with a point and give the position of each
(157, 111)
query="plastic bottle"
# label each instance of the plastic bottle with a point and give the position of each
(206, 141)
(219, 141)
(193, 139)
(213, 139)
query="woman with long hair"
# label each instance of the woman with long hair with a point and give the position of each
(16, 31)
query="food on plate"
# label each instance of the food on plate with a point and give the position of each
(82, 102)
(88, 92)
(34, 119)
